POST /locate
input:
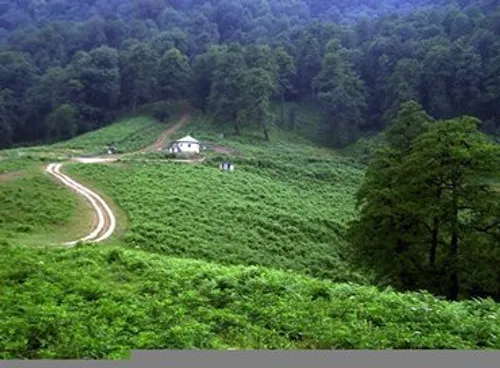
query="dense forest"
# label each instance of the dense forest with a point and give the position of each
(67, 66)
(35, 12)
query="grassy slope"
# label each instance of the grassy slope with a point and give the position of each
(95, 302)
(127, 135)
(243, 218)
(34, 206)
(284, 207)
(8, 165)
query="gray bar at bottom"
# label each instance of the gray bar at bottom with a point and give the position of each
(317, 359)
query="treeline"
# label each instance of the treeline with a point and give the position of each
(233, 59)
(240, 14)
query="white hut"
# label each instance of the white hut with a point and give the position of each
(227, 166)
(187, 145)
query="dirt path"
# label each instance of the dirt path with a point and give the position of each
(106, 220)
(162, 139)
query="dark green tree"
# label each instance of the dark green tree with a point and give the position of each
(258, 87)
(174, 75)
(425, 199)
(225, 100)
(62, 123)
(203, 68)
(342, 95)
(138, 78)
(7, 118)
(286, 73)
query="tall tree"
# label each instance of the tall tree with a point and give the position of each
(99, 73)
(7, 118)
(341, 93)
(62, 123)
(422, 205)
(174, 75)
(203, 68)
(258, 87)
(137, 74)
(225, 93)
(402, 85)
(286, 73)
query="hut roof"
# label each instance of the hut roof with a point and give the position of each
(187, 139)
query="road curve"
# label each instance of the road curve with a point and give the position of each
(106, 220)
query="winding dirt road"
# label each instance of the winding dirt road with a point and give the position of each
(106, 220)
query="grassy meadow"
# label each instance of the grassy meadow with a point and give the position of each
(35, 209)
(94, 302)
(271, 219)
(285, 207)
(16, 164)
(251, 259)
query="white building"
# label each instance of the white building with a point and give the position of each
(227, 166)
(187, 145)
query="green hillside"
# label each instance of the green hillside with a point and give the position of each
(256, 216)
(256, 258)
(95, 302)
(127, 135)
(36, 210)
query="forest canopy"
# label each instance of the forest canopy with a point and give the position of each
(68, 66)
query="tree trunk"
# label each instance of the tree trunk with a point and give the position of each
(283, 109)
(134, 105)
(401, 246)
(434, 244)
(435, 236)
(263, 125)
(454, 283)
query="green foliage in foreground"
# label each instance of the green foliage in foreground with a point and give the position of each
(128, 135)
(32, 204)
(274, 213)
(94, 302)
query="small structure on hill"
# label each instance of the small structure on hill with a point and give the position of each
(187, 145)
(111, 150)
(227, 166)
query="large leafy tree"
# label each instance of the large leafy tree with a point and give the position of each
(225, 99)
(342, 95)
(203, 68)
(98, 71)
(137, 74)
(428, 202)
(174, 75)
(286, 73)
(7, 118)
(258, 87)
(62, 123)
